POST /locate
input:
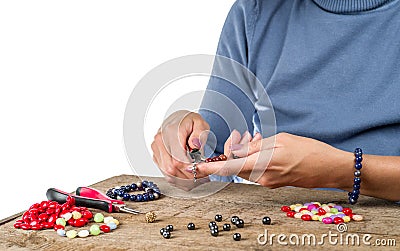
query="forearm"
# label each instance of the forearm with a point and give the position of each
(380, 175)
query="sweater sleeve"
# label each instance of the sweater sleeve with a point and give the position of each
(227, 106)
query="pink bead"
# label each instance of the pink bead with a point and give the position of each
(311, 207)
(327, 220)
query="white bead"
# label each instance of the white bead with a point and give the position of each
(83, 233)
(67, 216)
(108, 219)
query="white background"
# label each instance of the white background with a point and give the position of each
(67, 69)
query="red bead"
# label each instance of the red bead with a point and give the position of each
(301, 209)
(338, 220)
(285, 209)
(33, 223)
(290, 214)
(71, 222)
(44, 204)
(50, 211)
(33, 211)
(36, 205)
(48, 225)
(25, 226)
(306, 217)
(87, 214)
(321, 211)
(17, 224)
(56, 227)
(37, 227)
(43, 217)
(208, 160)
(52, 218)
(70, 200)
(347, 211)
(26, 218)
(80, 222)
(19, 221)
(105, 228)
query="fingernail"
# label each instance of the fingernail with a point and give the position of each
(236, 147)
(189, 169)
(196, 142)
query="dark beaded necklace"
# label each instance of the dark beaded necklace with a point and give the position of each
(151, 192)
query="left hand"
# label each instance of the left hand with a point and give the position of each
(287, 160)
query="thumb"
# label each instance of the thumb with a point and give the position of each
(233, 139)
(221, 168)
(199, 134)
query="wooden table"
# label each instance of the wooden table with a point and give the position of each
(249, 202)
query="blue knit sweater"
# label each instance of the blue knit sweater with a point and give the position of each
(330, 67)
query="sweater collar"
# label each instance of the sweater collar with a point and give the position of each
(350, 6)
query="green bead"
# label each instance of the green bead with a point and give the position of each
(61, 221)
(94, 230)
(334, 210)
(71, 234)
(99, 217)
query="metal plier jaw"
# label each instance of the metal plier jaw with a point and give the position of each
(196, 157)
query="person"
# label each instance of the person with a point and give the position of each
(331, 69)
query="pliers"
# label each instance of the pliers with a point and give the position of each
(92, 198)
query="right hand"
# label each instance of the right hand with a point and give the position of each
(169, 147)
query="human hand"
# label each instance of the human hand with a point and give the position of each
(286, 160)
(170, 143)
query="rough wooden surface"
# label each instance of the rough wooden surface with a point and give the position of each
(249, 202)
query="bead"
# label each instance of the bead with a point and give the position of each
(357, 217)
(292, 207)
(95, 230)
(266, 220)
(67, 216)
(99, 217)
(156, 195)
(311, 207)
(37, 227)
(61, 221)
(297, 209)
(108, 219)
(214, 227)
(87, 214)
(213, 223)
(17, 225)
(126, 197)
(139, 184)
(357, 173)
(71, 234)
(339, 208)
(115, 221)
(191, 226)
(218, 218)
(76, 215)
(239, 223)
(166, 235)
(358, 167)
(298, 215)
(306, 217)
(352, 201)
(358, 151)
(327, 220)
(169, 228)
(326, 208)
(226, 227)
(61, 232)
(105, 229)
(234, 219)
(359, 159)
(145, 197)
(237, 236)
(315, 217)
(56, 227)
(133, 187)
(162, 230)
(139, 197)
(80, 222)
(357, 180)
(346, 219)
(285, 209)
(214, 232)
(321, 211)
(347, 211)
(338, 220)
(355, 192)
(132, 197)
(334, 210)
(42, 217)
(290, 214)
(150, 217)
(83, 233)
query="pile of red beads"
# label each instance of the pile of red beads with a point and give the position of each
(44, 215)
(326, 213)
(221, 157)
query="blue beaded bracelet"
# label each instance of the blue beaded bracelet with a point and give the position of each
(353, 195)
(152, 192)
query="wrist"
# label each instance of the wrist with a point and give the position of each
(343, 170)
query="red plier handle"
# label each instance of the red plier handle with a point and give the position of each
(95, 194)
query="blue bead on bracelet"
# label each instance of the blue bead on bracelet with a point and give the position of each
(353, 195)
(152, 192)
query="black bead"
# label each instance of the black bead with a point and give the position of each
(133, 187)
(355, 192)
(218, 217)
(357, 180)
(358, 151)
(191, 226)
(237, 236)
(234, 219)
(212, 223)
(227, 227)
(151, 196)
(145, 197)
(357, 173)
(352, 201)
(122, 188)
(358, 166)
(166, 235)
(169, 228)
(214, 232)
(132, 197)
(239, 223)
(356, 186)
(359, 159)
(162, 230)
(266, 220)
(126, 196)
(214, 227)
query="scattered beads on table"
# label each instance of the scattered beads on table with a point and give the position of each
(326, 213)
(227, 227)
(150, 217)
(239, 223)
(218, 217)
(237, 236)
(169, 228)
(234, 219)
(266, 220)
(191, 226)
(214, 232)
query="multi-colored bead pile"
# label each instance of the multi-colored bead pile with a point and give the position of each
(151, 192)
(326, 213)
(47, 215)
(221, 157)
(109, 224)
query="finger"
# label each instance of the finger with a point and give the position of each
(256, 137)
(255, 146)
(246, 138)
(233, 139)
(222, 168)
(198, 133)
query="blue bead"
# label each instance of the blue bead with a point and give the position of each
(356, 186)
(349, 194)
(122, 188)
(355, 192)
(359, 159)
(139, 197)
(354, 196)
(144, 183)
(357, 180)
(352, 201)
(121, 192)
(127, 188)
(151, 196)
(358, 166)
(116, 191)
(126, 196)
(132, 197)
(133, 187)
(358, 151)
(357, 173)
(145, 197)
(150, 184)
